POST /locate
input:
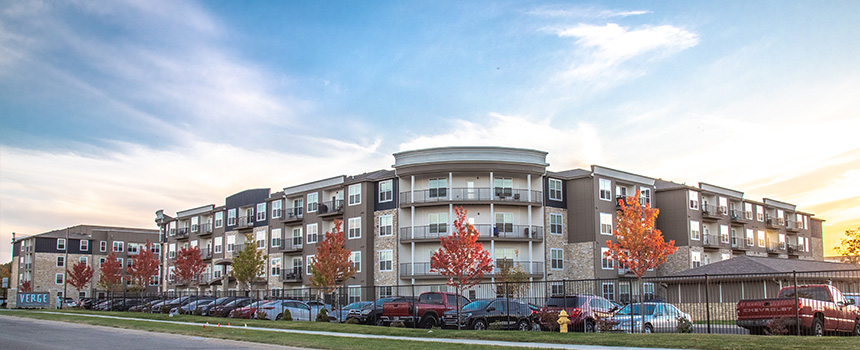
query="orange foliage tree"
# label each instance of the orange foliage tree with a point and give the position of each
(462, 259)
(188, 265)
(331, 264)
(80, 275)
(26, 287)
(110, 273)
(143, 268)
(638, 245)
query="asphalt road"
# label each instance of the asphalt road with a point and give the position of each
(19, 333)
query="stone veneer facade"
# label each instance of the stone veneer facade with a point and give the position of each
(385, 278)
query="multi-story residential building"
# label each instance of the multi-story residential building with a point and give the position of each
(42, 259)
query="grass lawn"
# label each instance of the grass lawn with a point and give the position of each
(680, 341)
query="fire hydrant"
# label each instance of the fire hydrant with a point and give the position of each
(563, 321)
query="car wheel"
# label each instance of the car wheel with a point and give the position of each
(817, 327)
(379, 322)
(524, 325)
(649, 328)
(856, 332)
(589, 326)
(479, 325)
(757, 331)
(279, 317)
(427, 322)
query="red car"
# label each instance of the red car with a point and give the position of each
(250, 311)
(580, 308)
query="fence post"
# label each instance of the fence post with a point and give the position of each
(708, 301)
(630, 285)
(414, 302)
(796, 305)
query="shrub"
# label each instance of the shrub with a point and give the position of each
(684, 325)
(352, 320)
(496, 326)
(197, 312)
(777, 326)
(262, 315)
(235, 314)
(322, 316)
(604, 324)
(398, 324)
(165, 309)
(549, 318)
(288, 316)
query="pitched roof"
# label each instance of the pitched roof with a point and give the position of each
(746, 264)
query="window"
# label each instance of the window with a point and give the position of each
(276, 237)
(782, 241)
(354, 228)
(556, 224)
(555, 190)
(231, 243)
(759, 213)
(438, 223)
(231, 217)
(276, 266)
(694, 200)
(297, 237)
(386, 225)
(504, 223)
(310, 261)
(312, 233)
(60, 278)
(218, 241)
(606, 262)
(724, 234)
(313, 202)
(504, 186)
(648, 288)
(556, 258)
(386, 258)
(195, 223)
(298, 207)
(605, 224)
(84, 260)
(505, 257)
(609, 291)
(219, 219)
(761, 239)
(261, 211)
(354, 294)
(61, 244)
(557, 288)
(171, 251)
(61, 261)
(605, 189)
(276, 209)
(386, 191)
(355, 259)
(438, 188)
(118, 246)
(170, 273)
(261, 239)
(85, 245)
(750, 238)
(103, 246)
(102, 261)
(725, 256)
(129, 263)
(724, 205)
(696, 259)
(644, 196)
(695, 230)
(82, 294)
(386, 291)
(354, 194)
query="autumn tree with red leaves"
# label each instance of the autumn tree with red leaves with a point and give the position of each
(331, 264)
(26, 287)
(639, 246)
(80, 275)
(110, 273)
(188, 265)
(462, 259)
(143, 268)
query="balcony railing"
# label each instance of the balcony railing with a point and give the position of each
(205, 254)
(205, 229)
(711, 240)
(294, 275)
(737, 216)
(776, 247)
(245, 222)
(292, 244)
(292, 214)
(738, 243)
(711, 211)
(775, 222)
(423, 269)
(330, 207)
(504, 194)
(793, 226)
(506, 231)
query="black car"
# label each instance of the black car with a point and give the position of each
(226, 309)
(372, 313)
(174, 303)
(203, 310)
(479, 314)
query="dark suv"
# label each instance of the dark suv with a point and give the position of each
(580, 308)
(479, 314)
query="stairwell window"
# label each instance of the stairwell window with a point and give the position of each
(386, 260)
(85, 245)
(231, 217)
(695, 230)
(61, 244)
(386, 191)
(219, 219)
(759, 213)
(386, 225)
(605, 189)
(606, 224)
(261, 211)
(355, 260)
(276, 237)
(312, 233)
(354, 194)
(748, 211)
(313, 202)
(695, 259)
(555, 192)
(354, 228)
(694, 199)
(556, 258)
(231, 243)
(61, 261)
(277, 208)
(218, 246)
(276, 266)
(606, 262)
(103, 246)
(556, 223)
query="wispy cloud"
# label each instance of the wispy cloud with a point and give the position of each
(581, 12)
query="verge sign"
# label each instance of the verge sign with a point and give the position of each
(34, 300)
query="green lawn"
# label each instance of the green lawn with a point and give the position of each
(681, 341)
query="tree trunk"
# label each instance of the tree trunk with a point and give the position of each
(641, 305)
(457, 297)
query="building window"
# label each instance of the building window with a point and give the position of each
(61, 244)
(102, 261)
(438, 188)
(195, 223)
(218, 241)
(695, 230)
(103, 246)
(171, 251)
(354, 194)
(694, 200)
(386, 291)
(219, 219)
(606, 262)
(354, 228)
(557, 288)
(696, 259)
(355, 259)
(313, 202)
(555, 190)
(504, 186)
(556, 258)
(85, 245)
(231, 217)
(504, 223)
(354, 294)
(609, 291)
(556, 223)
(386, 191)
(748, 211)
(750, 238)
(761, 239)
(310, 261)
(605, 189)
(231, 243)
(386, 225)
(60, 278)
(277, 209)
(276, 237)
(261, 211)
(61, 261)
(645, 196)
(312, 233)
(261, 239)
(84, 260)
(386, 258)
(759, 213)
(276, 266)
(724, 205)
(438, 223)
(118, 246)
(605, 224)
(724, 234)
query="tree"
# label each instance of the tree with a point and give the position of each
(512, 281)
(144, 267)
(639, 246)
(462, 259)
(188, 265)
(849, 247)
(331, 264)
(26, 287)
(80, 275)
(248, 263)
(110, 273)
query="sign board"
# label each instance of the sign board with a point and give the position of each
(34, 300)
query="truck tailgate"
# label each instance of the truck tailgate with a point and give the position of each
(766, 308)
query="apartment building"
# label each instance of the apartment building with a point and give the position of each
(42, 259)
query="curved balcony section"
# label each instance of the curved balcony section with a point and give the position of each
(422, 270)
(486, 232)
(471, 195)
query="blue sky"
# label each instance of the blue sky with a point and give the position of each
(110, 110)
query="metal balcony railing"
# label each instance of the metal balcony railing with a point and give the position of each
(504, 194)
(501, 231)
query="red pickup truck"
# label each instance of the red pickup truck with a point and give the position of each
(431, 306)
(820, 308)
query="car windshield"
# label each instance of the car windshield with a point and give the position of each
(477, 305)
(571, 301)
(637, 309)
(355, 305)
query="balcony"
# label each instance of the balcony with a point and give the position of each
(245, 222)
(776, 247)
(795, 249)
(793, 226)
(292, 214)
(738, 243)
(206, 254)
(205, 230)
(467, 195)
(292, 245)
(775, 222)
(431, 233)
(422, 270)
(711, 241)
(737, 216)
(292, 276)
(204, 278)
(711, 212)
(330, 208)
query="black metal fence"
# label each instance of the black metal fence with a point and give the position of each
(707, 301)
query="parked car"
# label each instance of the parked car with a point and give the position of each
(249, 311)
(340, 315)
(224, 310)
(821, 309)
(204, 309)
(189, 307)
(372, 313)
(656, 317)
(170, 304)
(581, 309)
(299, 310)
(316, 306)
(145, 306)
(429, 309)
(479, 314)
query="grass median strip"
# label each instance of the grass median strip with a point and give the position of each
(680, 341)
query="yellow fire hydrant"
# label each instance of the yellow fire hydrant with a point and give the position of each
(563, 321)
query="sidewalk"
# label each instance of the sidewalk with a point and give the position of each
(388, 337)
